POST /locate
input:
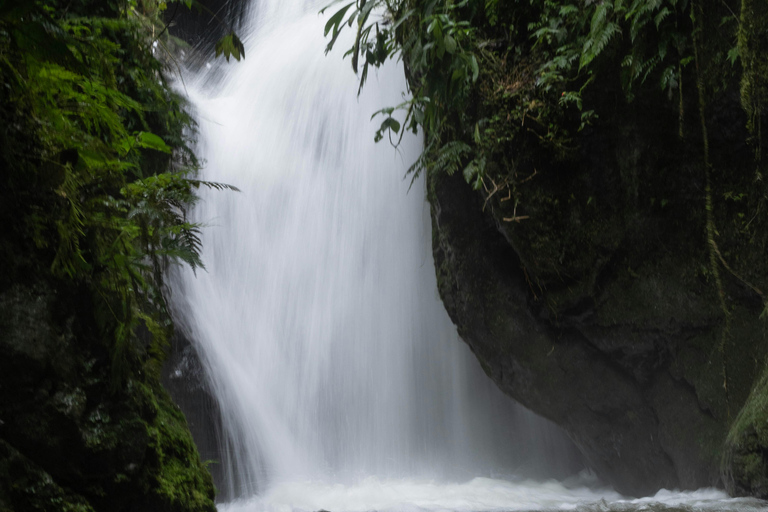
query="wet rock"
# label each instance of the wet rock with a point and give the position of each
(69, 443)
(603, 316)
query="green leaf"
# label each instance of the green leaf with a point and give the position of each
(450, 44)
(335, 20)
(386, 110)
(391, 123)
(334, 23)
(230, 46)
(470, 171)
(152, 141)
(475, 68)
(733, 55)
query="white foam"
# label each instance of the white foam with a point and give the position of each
(479, 494)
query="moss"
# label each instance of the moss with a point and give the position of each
(85, 424)
(182, 481)
(68, 444)
(753, 48)
(745, 464)
(25, 486)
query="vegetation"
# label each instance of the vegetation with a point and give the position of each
(97, 179)
(99, 167)
(499, 89)
(553, 52)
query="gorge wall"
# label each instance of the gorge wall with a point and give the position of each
(587, 285)
(93, 152)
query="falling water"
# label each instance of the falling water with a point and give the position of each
(342, 382)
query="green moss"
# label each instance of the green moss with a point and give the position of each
(25, 486)
(86, 137)
(183, 482)
(753, 49)
(745, 464)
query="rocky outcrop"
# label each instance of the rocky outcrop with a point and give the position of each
(185, 379)
(69, 441)
(590, 296)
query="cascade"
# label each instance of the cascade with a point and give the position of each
(341, 380)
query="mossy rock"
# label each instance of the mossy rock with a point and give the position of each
(753, 49)
(79, 444)
(24, 486)
(745, 460)
(587, 290)
(177, 478)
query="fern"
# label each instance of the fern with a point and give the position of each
(602, 31)
(104, 129)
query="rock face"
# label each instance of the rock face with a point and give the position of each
(68, 443)
(185, 380)
(599, 309)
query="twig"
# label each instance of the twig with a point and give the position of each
(515, 217)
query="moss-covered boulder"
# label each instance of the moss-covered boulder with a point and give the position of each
(68, 440)
(745, 459)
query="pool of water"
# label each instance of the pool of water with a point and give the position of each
(581, 494)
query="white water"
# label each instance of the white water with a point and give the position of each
(342, 382)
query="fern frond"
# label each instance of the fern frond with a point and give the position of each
(213, 185)
(596, 43)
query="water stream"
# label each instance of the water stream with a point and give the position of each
(342, 382)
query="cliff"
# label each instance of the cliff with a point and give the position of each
(596, 178)
(610, 276)
(96, 178)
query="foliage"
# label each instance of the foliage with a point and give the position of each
(438, 45)
(503, 89)
(753, 45)
(230, 46)
(457, 52)
(98, 164)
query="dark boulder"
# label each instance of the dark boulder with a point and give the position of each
(590, 297)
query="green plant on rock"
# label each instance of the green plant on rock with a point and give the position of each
(99, 166)
(438, 45)
(97, 179)
(504, 89)
(450, 48)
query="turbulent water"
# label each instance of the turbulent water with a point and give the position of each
(342, 382)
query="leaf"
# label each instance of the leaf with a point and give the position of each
(450, 44)
(385, 110)
(151, 141)
(597, 42)
(668, 78)
(733, 55)
(334, 24)
(402, 19)
(230, 46)
(470, 171)
(661, 16)
(335, 20)
(391, 123)
(475, 68)
(213, 184)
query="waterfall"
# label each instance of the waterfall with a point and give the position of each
(318, 318)
(341, 381)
